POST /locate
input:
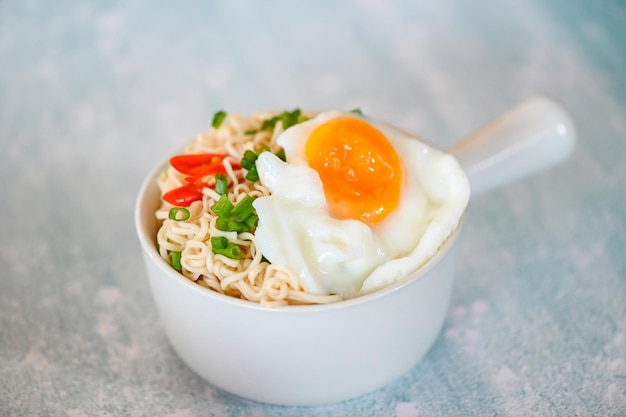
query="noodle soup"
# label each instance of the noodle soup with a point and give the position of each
(304, 208)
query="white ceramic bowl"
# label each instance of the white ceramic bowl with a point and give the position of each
(312, 355)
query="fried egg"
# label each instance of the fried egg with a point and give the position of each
(358, 205)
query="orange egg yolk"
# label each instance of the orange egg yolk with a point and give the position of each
(360, 170)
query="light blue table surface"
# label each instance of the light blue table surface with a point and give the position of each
(93, 94)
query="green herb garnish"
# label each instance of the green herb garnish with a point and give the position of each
(251, 221)
(175, 259)
(243, 209)
(249, 162)
(235, 218)
(218, 118)
(179, 214)
(288, 119)
(221, 184)
(223, 206)
(221, 246)
(269, 123)
(227, 225)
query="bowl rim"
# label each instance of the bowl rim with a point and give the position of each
(149, 247)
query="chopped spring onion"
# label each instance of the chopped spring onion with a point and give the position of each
(223, 206)
(235, 218)
(219, 242)
(218, 118)
(179, 214)
(243, 209)
(221, 246)
(175, 259)
(231, 251)
(253, 174)
(251, 221)
(290, 118)
(221, 184)
(356, 110)
(269, 123)
(249, 162)
(227, 225)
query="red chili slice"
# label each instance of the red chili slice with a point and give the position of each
(184, 195)
(218, 168)
(197, 166)
(193, 163)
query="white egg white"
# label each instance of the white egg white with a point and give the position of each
(296, 230)
(349, 257)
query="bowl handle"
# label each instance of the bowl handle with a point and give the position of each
(534, 135)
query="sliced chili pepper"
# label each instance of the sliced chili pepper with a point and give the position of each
(197, 167)
(193, 163)
(218, 168)
(184, 195)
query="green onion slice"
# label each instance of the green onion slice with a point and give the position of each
(248, 160)
(221, 246)
(290, 118)
(219, 242)
(227, 225)
(221, 184)
(269, 123)
(243, 209)
(223, 206)
(175, 258)
(218, 118)
(231, 251)
(253, 174)
(179, 214)
(251, 221)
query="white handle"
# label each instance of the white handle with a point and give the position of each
(532, 136)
